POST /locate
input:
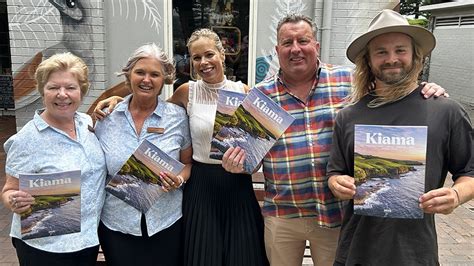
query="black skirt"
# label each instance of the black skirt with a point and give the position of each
(223, 224)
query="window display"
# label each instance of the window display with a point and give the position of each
(228, 18)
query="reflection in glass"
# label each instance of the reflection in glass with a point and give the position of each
(230, 20)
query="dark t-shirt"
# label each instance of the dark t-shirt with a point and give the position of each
(370, 240)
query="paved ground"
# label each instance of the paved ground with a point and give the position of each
(455, 231)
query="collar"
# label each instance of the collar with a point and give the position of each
(123, 106)
(41, 125)
(318, 72)
(285, 89)
(215, 85)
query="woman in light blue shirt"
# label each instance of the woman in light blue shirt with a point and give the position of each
(57, 140)
(128, 236)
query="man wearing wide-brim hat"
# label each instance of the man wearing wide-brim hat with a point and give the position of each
(388, 60)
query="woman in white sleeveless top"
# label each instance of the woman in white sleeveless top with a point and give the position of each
(221, 216)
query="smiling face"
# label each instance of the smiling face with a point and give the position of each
(146, 79)
(297, 49)
(61, 95)
(207, 60)
(391, 57)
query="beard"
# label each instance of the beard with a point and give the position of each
(390, 77)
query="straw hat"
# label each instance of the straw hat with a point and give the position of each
(390, 21)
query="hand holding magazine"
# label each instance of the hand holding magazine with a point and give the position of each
(389, 170)
(57, 207)
(255, 126)
(227, 103)
(138, 180)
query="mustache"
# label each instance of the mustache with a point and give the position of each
(388, 65)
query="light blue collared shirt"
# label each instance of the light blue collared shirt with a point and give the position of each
(40, 148)
(119, 140)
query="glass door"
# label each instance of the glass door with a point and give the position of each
(228, 18)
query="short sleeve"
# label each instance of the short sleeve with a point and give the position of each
(18, 156)
(185, 129)
(461, 151)
(337, 163)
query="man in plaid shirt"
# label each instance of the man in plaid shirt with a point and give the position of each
(295, 168)
(298, 203)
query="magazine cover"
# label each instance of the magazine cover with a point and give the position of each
(57, 207)
(389, 170)
(138, 181)
(255, 126)
(227, 103)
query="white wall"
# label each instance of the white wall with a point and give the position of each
(452, 60)
(130, 24)
(350, 19)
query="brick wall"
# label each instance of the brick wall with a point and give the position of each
(349, 20)
(39, 28)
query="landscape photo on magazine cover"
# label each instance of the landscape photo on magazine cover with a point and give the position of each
(138, 182)
(255, 126)
(227, 103)
(389, 170)
(57, 206)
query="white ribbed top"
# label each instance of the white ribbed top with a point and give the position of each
(201, 110)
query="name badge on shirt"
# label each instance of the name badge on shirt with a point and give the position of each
(156, 130)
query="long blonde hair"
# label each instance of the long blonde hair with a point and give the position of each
(364, 80)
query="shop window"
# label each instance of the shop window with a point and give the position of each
(228, 18)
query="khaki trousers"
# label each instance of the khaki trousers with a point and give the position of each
(285, 241)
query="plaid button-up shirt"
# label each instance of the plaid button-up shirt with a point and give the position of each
(296, 184)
